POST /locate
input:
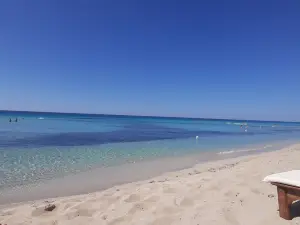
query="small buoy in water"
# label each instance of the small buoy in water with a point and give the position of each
(197, 137)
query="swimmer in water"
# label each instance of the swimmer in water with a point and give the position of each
(10, 120)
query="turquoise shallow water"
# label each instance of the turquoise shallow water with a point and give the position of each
(42, 146)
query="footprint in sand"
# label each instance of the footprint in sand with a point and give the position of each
(197, 172)
(87, 212)
(184, 201)
(133, 198)
(163, 221)
(214, 187)
(255, 191)
(187, 202)
(7, 212)
(154, 198)
(116, 221)
(230, 217)
(230, 194)
(206, 179)
(170, 210)
(68, 206)
(169, 190)
(80, 211)
(138, 207)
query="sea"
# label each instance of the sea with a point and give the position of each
(36, 147)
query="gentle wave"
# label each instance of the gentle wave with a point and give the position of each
(244, 150)
(238, 124)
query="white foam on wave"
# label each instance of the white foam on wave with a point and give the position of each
(236, 151)
(244, 150)
(226, 152)
(40, 118)
(238, 124)
(268, 146)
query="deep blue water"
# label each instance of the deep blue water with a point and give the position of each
(46, 145)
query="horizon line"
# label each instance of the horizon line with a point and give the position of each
(128, 115)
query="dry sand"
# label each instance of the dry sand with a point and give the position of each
(230, 191)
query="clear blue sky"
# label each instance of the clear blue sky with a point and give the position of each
(236, 59)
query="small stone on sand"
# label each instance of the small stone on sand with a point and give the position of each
(50, 207)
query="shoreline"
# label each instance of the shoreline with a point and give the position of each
(103, 178)
(99, 179)
(228, 191)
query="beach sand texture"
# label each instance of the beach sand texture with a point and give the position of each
(225, 192)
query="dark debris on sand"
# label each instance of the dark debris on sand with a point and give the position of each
(50, 207)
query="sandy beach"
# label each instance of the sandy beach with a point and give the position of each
(229, 191)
